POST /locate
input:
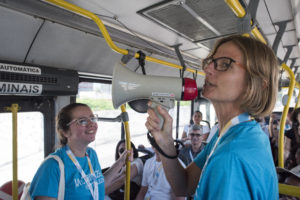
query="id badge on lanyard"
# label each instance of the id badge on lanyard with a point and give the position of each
(94, 192)
(236, 120)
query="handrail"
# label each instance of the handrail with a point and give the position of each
(289, 190)
(240, 12)
(107, 37)
(14, 109)
(236, 7)
(283, 189)
(284, 116)
(128, 147)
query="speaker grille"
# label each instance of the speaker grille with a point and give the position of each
(27, 78)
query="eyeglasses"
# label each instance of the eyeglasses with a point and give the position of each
(194, 135)
(220, 64)
(84, 121)
(121, 150)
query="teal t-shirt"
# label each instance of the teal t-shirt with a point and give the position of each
(241, 166)
(46, 180)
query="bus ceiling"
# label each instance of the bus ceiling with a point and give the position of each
(37, 32)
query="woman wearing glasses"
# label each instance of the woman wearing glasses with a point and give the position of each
(77, 127)
(241, 83)
(136, 172)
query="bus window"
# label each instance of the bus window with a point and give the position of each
(98, 97)
(184, 117)
(30, 145)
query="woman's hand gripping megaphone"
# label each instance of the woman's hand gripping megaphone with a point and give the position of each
(159, 124)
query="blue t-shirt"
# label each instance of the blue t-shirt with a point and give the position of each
(241, 167)
(46, 180)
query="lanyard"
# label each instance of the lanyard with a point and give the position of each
(94, 193)
(191, 155)
(236, 120)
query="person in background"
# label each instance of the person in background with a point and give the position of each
(274, 125)
(289, 122)
(195, 135)
(154, 183)
(76, 127)
(241, 81)
(197, 117)
(274, 128)
(136, 172)
(294, 132)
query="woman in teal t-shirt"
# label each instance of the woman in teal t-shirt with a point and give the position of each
(241, 82)
(77, 127)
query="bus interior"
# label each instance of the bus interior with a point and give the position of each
(54, 52)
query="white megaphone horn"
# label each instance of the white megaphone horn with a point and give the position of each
(128, 86)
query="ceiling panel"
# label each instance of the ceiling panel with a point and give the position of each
(280, 10)
(17, 33)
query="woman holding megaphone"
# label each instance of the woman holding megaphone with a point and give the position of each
(241, 82)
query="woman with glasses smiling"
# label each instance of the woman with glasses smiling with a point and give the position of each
(241, 82)
(77, 127)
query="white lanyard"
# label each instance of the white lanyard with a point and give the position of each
(236, 120)
(94, 193)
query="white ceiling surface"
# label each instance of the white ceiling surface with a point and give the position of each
(16, 35)
(278, 10)
(139, 24)
(72, 49)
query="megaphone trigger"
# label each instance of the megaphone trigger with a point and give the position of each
(165, 102)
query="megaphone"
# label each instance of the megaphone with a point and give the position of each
(161, 90)
(128, 86)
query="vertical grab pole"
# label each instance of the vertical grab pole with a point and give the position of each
(284, 115)
(14, 109)
(128, 147)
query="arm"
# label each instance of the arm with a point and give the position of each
(184, 136)
(142, 193)
(120, 180)
(182, 181)
(114, 172)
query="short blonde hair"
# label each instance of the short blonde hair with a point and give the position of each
(262, 70)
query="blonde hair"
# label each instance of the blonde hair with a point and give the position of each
(262, 71)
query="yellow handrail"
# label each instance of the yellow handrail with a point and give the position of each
(240, 12)
(14, 109)
(258, 35)
(128, 147)
(107, 37)
(236, 7)
(284, 115)
(289, 190)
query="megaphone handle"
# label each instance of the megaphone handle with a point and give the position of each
(161, 119)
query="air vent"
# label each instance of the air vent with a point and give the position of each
(197, 20)
(27, 78)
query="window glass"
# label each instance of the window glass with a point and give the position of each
(30, 145)
(184, 117)
(98, 97)
(282, 97)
